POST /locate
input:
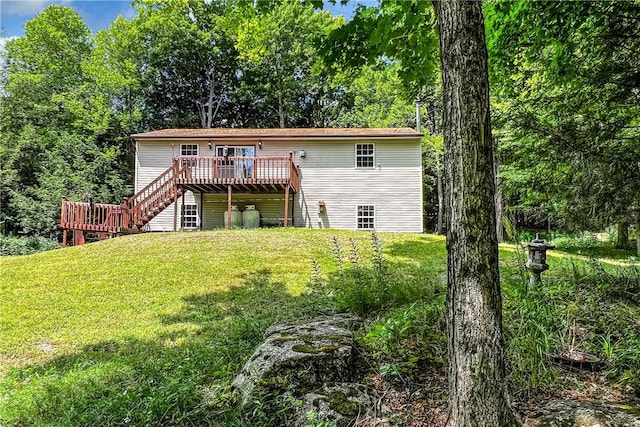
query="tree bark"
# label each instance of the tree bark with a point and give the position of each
(477, 388)
(499, 227)
(638, 231)
(622, 242)
(440, 195)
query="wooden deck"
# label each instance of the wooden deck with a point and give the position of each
(244, 174)
(270, 174)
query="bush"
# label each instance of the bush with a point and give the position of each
(13, 245)
(366, 285)
(583, 240)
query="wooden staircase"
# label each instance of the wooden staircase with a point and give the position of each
(106, 221)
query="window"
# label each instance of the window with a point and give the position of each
(365, 155)
(190, 216)
(189, 149)
(236, 168)
(366, 217)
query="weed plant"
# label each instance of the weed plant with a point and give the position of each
(364, 283)
(404, 308)
(586, 307)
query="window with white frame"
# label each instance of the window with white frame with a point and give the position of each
(365, 155)
(366, 217)
(190, 216)
(189, 149)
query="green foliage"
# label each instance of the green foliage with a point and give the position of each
(580, 240)
(586, 307)
(366, 283)
(13, 245)
(284, 81)
(378, 99)
(563, 78)
(60, 136)
(398, 29)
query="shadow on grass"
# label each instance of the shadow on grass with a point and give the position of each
(182, 377)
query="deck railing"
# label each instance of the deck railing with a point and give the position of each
(262, 170)
(157, 195)
(139, 209)
(94, 216)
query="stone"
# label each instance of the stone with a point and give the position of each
(571, 413)
(338, 404)
(304, 356)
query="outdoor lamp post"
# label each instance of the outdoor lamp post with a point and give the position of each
(537, 262)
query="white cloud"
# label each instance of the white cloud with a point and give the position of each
(3, 42)
(26, 7)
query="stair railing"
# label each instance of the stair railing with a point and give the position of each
(154, 197)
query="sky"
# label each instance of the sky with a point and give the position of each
(97, 14)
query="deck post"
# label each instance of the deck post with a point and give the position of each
(175, 195)
(286, 205)
(78, 237)
(229, 207)
(64, 237)
(182, 212)
(126, 218)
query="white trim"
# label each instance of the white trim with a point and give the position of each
(372, 205)
(196, 215)
(373, 163)
(191, 144)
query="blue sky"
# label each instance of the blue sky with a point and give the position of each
(97, 14)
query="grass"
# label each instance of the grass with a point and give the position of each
(151, 329)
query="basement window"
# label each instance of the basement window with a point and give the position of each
(190, 217)
(365, 157)
(366, 217)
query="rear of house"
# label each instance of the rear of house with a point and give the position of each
(317, 178)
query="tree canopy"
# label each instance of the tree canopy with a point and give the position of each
(566, 82)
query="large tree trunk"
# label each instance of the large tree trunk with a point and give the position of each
(638, 231)
(499, 211)
(623, 235)
(440, 195)
(477, 389)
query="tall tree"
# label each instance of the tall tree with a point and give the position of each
(287, 82)
(58, 127)
(565, 75)
(477, 386)
(188, 64)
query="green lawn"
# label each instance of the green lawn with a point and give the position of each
(151, 329)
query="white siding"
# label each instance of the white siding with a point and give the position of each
(328, 174)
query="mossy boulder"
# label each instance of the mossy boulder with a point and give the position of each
(338, 404)
(303, 356)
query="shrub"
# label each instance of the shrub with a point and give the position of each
(366, 284)
(13, 245)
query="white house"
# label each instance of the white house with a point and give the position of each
(346, 178)
(187, 179)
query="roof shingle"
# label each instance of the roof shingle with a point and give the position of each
(279, 133)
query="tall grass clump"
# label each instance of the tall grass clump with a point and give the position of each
(364, 283)
(584, 307)
(404, 308)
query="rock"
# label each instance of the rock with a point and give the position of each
(571, 413)
(304, 356)
(339, 404)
